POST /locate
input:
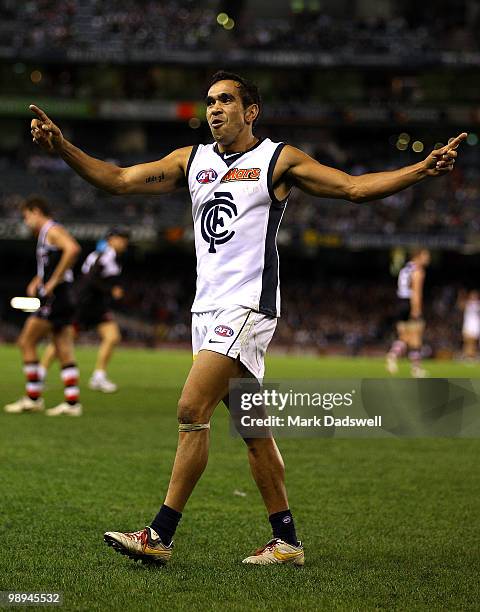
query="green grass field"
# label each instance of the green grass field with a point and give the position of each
(387, 524)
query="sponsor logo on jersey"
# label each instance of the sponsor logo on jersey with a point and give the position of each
(223, 330)
(241, 174)
(207, 176)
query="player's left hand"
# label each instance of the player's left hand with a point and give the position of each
(48, 288)
(441, 161)
(117, 292)
(44, 132)
(33, 286)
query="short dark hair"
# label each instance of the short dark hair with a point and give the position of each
(121, 231)
(249, 93)
(35, 201)
(416, 251)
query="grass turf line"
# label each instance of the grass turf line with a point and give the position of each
(387, 524)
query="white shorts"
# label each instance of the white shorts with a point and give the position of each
(235, 331)
(471, 329)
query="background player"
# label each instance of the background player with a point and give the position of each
(470, 304)
(410, 324)
(230, 297)
(98, 287)
(57, 251)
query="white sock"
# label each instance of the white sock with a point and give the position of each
(99, 374)
(42, 372)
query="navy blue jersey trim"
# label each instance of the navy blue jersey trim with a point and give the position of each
(190, 160)
(234, 158)
(240, 331)
(271, 168)
(231, 159)
(268, 296)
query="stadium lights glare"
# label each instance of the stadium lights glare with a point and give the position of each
(230, 24)
(36, 76)
(417, 146)
(297, 6)
(27, 304)
(222, 19)
(194, 123)
(404, 137)
(401, 145)
(472, 139)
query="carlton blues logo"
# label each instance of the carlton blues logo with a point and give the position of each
(216, 216)
(224, 331)
(207, 176)
(241, 174)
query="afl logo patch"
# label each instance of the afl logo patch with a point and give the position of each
(224, 331)
(207, 176)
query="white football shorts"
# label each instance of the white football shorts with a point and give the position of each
(234, 331)
(471, 328)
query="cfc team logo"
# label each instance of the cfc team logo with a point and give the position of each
(216, 216)
(224, 331)
(241, 174)
(206, 176)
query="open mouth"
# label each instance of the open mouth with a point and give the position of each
(216, 123)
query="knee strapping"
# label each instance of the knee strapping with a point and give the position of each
(184, 427)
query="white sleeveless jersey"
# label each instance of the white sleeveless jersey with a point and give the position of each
(236, 217)
(404, 289)
(106, 260)
(49, 255)
(472, 312)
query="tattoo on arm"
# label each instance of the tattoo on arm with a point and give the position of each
(156, 178)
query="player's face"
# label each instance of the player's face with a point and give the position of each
(31, 218)
(119, 243)
(425, 258)
(226, 115)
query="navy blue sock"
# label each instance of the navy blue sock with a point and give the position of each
(283, 527)
(165, 523)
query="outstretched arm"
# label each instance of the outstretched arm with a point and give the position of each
(298, 169)
(162, 176)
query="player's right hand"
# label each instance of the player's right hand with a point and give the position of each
(32, 288)
(441, 161)
(117, 292)
(44, 132)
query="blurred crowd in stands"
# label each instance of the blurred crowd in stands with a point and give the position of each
(341, 315)
(148, 25)
(351, 315)
(345, 315)
(40, 37)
